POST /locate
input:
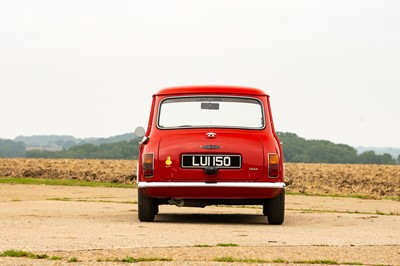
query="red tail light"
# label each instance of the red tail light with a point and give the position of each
(148, 164)
(273, 165)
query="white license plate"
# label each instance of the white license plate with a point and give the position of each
(211, 160)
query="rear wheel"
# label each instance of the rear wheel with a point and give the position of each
(265, 209)
(147, 207)
(156, 209)
(275, 209)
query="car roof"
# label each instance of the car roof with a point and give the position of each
(211, 89)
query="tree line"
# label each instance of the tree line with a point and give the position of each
(122, 150)
(12, 149)
(295, 149)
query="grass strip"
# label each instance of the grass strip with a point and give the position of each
(377, 212)
(55, 258)
(280, 260)
(227, 245)
(129, 259)
(334, 195)
(61, 182)
(202, 246)
(87, 200)
(73, 259)
(325, 262)
(231, 259)
(22, 254)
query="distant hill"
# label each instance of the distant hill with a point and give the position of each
(113, 139)
(395, 152)
(64, 142)
(125, 146)
(44, 140)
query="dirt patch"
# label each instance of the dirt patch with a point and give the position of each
(117, 171)
(374, 181)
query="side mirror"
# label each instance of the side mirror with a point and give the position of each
(140, 132)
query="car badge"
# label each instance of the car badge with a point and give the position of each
(211, 135)
(168, 162)
(211, 147)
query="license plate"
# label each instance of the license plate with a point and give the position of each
(210, 160)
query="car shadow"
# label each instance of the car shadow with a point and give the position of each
(211, 218)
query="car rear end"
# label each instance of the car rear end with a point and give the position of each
(211, 145)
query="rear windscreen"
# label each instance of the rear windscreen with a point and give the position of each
(211, 112)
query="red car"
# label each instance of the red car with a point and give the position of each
(210, 145)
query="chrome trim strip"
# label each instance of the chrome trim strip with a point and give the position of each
(211, 185)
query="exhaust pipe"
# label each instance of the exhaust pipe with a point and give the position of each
(179, 203)
(187, 203)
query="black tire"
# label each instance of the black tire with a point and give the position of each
(156, 209)
(275, 209)
(147, 207)
(265, 208)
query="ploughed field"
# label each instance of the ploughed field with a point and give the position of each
(373, 181)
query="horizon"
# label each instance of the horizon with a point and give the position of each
(106, 137)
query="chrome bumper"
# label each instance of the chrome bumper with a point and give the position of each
(211, 185)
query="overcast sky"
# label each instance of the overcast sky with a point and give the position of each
(88, 68)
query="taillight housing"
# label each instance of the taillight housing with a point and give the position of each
(273, 165)
(148, 164)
